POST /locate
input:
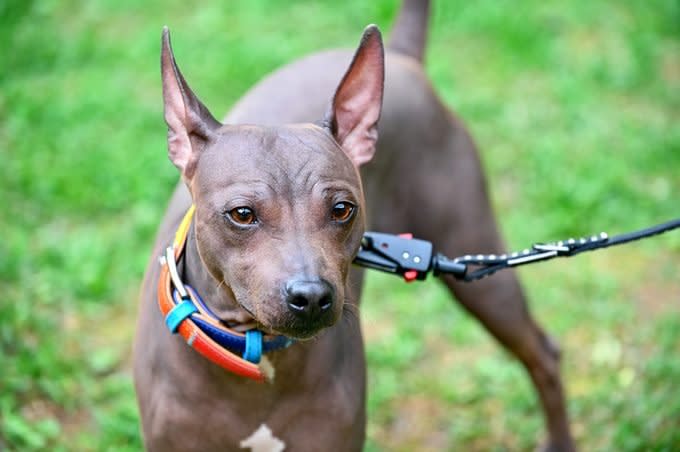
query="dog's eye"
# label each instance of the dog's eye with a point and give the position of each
(342, 211)
(243, 215)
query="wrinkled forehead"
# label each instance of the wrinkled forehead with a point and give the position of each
(285, 154)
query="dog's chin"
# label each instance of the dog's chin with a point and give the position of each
(302, 333)
(294, 328)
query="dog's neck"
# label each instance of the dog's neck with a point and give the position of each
(215, 294)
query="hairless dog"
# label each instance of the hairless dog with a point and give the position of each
(255, 277)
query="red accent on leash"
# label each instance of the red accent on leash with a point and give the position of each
(410, 275)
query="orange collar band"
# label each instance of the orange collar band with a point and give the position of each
(184, 313)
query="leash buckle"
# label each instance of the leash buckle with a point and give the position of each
(400, 254)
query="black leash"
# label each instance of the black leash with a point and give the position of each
(414, 258)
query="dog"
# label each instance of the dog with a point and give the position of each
(258, 283)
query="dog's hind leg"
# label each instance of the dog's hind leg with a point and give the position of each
(453, 211)
(499, 304)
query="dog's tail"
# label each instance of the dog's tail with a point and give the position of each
(409, 32)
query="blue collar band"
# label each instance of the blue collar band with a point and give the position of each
(250, 345)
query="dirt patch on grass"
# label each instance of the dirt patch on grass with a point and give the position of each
(417, 423)
(655, 298)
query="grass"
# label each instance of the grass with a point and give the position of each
(575, 107)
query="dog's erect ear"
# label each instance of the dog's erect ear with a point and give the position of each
(190, 124)
(355, 109)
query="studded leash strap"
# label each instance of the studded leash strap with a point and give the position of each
(414, 258)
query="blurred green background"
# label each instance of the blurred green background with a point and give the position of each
(574, 104)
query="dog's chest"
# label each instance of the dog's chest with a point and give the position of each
(331, 414)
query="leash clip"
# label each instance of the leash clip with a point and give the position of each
(399, 254)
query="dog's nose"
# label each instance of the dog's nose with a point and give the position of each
(309, 299)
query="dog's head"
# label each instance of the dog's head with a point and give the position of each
(279, 210)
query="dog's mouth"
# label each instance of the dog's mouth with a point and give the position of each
(286, 324)
(305, 332)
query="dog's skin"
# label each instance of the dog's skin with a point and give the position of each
(280, 214)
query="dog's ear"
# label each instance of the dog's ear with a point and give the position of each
(190, 124)
(355, 109)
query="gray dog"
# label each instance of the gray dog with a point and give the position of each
(257, 282)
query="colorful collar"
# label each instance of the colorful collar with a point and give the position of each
(186, 314)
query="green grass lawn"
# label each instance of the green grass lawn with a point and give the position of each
(575, 105)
